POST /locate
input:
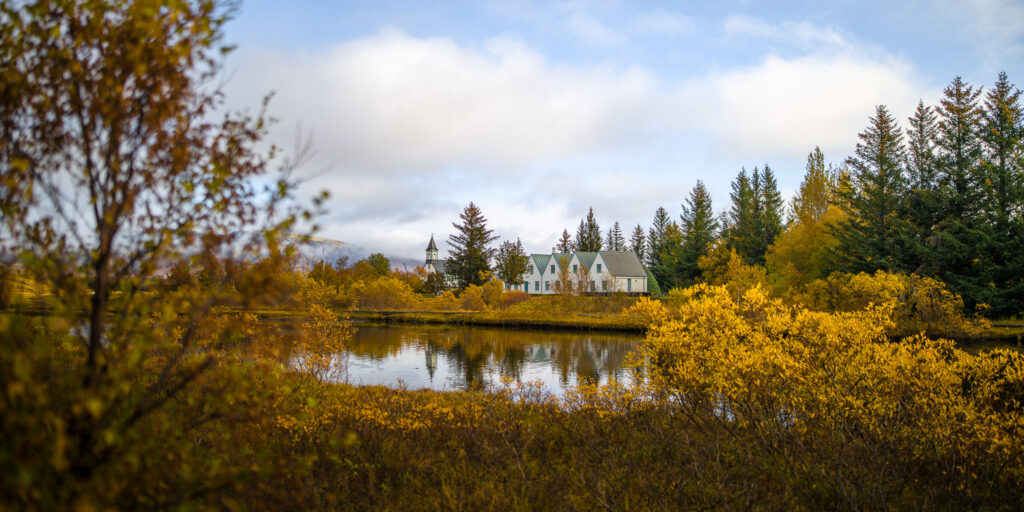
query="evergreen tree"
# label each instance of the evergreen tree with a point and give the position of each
(510, 262)
(565, 243)
(637, 243)
(656, 237)
(470, 253)
(743, 214)
(960, 179)
(770, 222)
(698, 227)
(588, 236)
(962, 235)
(615, 240)
(869, 239)
(756, 214)
(670, 253)
(923, 205)
(1002, 132)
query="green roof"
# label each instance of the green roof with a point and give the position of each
(541, 261)
(586, 259)
(558, 256)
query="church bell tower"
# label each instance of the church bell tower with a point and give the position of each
(431, 250)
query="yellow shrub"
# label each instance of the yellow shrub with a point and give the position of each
(723, 266)
(797, 380)
(917, 303)
(385, 292)
(446, 301)
(492, 291)
(473, 298)
(318, 351)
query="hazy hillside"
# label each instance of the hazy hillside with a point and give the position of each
(315, 249)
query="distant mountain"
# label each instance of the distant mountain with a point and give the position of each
(314, 249)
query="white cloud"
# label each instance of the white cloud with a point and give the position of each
(392, 103)
(782, 106)
(413, 129)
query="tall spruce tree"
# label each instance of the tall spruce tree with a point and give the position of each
(963, 235)
(665, 272)
(772, 206)
(615, 241)
(1001, 134)
(471, 251)
(755, 217)
(870, 238)
(656, 237)
(743, 214)
(961, 181)
(923, 205)
(565, 244)
(698, 226)
(588, 236)
(637, 242)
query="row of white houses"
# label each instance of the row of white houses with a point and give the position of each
(600, 271)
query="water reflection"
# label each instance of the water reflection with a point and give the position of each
(452, 357)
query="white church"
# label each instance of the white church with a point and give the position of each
(600, 271)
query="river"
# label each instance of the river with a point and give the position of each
(448, 357)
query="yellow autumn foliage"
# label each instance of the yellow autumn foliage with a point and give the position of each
(384, 292)
(824, 386)
(918, 304)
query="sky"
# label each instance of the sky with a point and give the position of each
(537, 111)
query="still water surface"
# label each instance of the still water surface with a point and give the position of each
(446, 357)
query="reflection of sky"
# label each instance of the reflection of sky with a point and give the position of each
(419, 362)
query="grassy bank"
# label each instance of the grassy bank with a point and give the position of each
(578, 321)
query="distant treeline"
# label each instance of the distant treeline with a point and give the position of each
(942, 197)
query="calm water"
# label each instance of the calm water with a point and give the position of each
(453, 357)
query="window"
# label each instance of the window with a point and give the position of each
(552, 269)
(547, 286)
(629, 285)
(604, 286)
(536, 285)
(592, 286)
(598, 268)
(529, 269)
(575, 268)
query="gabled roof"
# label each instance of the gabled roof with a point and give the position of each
(623, 264)
(557, 258)
(586, 259)
(432, 246)
(440, 265)
(541, 261)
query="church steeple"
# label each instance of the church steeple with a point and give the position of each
(431, 250)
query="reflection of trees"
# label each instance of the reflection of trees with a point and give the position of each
(589, 357)
(474, 354)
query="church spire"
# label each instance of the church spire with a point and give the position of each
(431, 251)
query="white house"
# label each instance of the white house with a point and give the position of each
(600, 271)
